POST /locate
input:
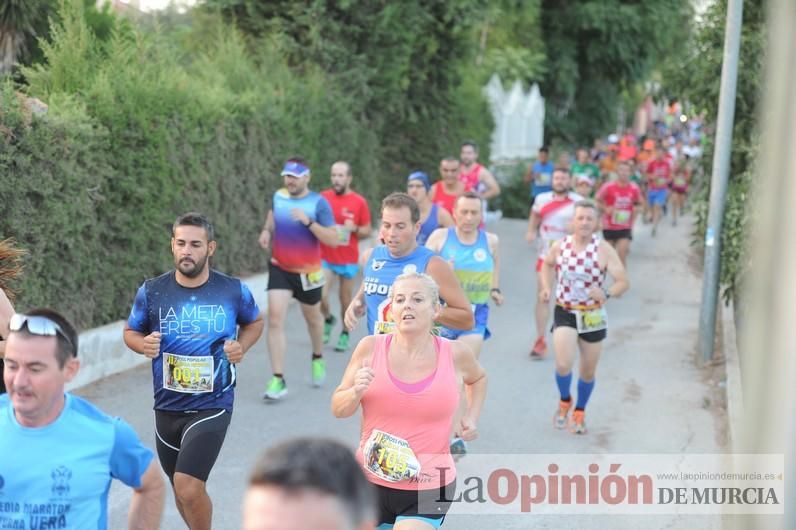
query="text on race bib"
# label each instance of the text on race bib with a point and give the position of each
(591, 320)
(312, 280)
(620, 217)
(187, 373)
(389, 457)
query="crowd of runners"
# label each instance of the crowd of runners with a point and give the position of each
(428, 285)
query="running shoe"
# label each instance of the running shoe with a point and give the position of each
(577, 425)
(342, 342)
(539, 350)
(277, 389)
(318, 372)
(328, 324)
(458, 447)
(560, 419)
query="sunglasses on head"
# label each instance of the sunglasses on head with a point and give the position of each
(38, 325)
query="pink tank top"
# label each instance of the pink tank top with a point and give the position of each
(405, 435)
(470, 178)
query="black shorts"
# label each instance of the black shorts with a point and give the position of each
(616, 235)
(281, 279)
(394, 503)
(563, 318)
(2, 381)
(189, 442)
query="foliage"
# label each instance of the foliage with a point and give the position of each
(695, 79)
(597, 49)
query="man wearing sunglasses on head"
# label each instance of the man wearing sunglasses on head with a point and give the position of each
(196, 324)
(59, 451)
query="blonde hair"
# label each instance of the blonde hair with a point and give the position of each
(428, 283)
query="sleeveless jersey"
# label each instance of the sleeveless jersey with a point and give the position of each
(409, 447)
(473, 265)
(443, 198)
(577, 273)
(429, 225)
(378, 275)
(294, 247)
(556, 215)
(192, 372)
(471, 178)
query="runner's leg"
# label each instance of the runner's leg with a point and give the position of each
(278, 300)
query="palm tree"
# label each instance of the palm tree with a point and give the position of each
(18, 20)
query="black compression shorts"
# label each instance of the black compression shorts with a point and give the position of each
(421, 504)
(563, 318)
(189, 442)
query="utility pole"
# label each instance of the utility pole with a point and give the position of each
(718, 179)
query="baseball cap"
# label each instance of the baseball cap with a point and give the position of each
(584, 178)
(295, 169)
(422, 177)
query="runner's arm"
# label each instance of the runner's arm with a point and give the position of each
(146, 506)
(325, 234)
(249, 333)
(616, 270)
(494, 245)
(528, 177)
(473, 376)
(493, 188)
(134, 340)
(457, 313)
(437, 239)
(356, 309)
(547, 274)
(364, 231)
(534, 220)
(444, 217)
(267, 231)
(346, 397)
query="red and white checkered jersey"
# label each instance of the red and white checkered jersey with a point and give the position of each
(556, 213)
(578, 272)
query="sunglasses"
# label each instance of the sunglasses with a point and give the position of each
(38, 325)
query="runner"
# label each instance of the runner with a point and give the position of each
(432, 216)
(352, 215)
(659, 176)
(680, 182)
(186, 321)
(299, 221)
(473, 253)
(584, 186)
(583, 167)
(540, 174)
(618, 201)
(400, 223)
(551, 216)
(581, 261)
(406, 455)
(448, 187)
(476, 177)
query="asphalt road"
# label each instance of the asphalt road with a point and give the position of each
(649, 398)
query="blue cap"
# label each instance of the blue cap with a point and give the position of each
(295, 169)
(422, 177)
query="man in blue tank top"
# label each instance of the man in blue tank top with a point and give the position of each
(60, 452)
(195, 324)
(400, 223)
(473, 254)
(432, 216)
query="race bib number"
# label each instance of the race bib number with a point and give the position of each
(343, 235)
(620, 217)
(661, 182)
(591, 320)
(383, 327)
(312, 280)
(389, 457)
(680, 182)
(188, 374)
(543, 179)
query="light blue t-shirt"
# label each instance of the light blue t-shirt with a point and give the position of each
(58, 476)
(542, 177)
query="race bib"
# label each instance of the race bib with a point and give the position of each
(383, 327)
(312, 280)
(591, 320)
(343, 235)
(543, 179)
(188, 374)
(389, 457)
(679, 182)
(620, 217)
(661, 182)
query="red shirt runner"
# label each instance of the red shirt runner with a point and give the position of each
(621, 198)
(352, 206)
(659, 174)
(446, 200)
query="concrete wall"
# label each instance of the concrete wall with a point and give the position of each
(103, 352)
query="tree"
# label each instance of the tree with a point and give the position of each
(20, 23)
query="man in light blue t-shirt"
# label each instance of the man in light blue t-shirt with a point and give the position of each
(540, 174)
(65, 450)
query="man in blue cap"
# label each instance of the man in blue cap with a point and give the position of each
(432, 216)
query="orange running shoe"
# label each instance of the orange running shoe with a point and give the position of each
(539, 350)
(577, 425)
(560, 418)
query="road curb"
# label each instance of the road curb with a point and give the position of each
(734, 388)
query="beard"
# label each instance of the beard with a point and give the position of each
(191, 269)
(339, 190)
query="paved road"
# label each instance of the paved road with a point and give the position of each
(649, 397)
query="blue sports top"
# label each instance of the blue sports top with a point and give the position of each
(58, 476)
(192, 372)
(429, 225)
(378, 276)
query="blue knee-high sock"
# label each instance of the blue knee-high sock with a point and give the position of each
(564, 382)
(584, 392)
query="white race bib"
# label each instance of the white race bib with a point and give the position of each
(389, 457)
(343, 235)
(383, 327)
(620, 217)
(591, 320)
(312, 280)
(188, 374)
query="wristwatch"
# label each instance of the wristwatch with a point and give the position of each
(606, 293)
(309, 224)
(495, 290)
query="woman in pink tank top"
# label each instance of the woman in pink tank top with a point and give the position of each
(407, 384)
